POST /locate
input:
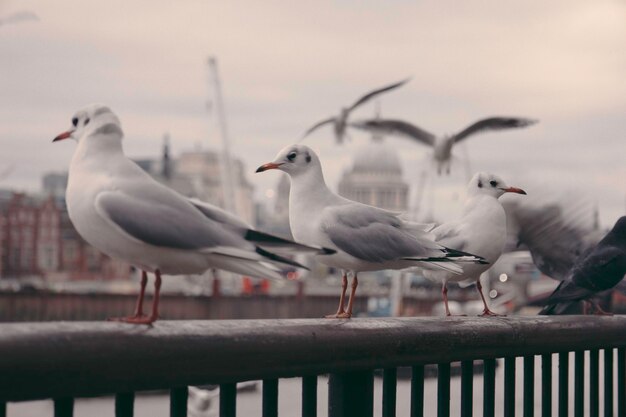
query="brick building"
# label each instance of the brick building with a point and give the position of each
(37, 239)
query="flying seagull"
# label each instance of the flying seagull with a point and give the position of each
(602, 269)
(365, 238)
(119, 209)
(340, 121)
(442, 145)
(481, 230)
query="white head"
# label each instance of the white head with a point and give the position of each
(484, 183)
(295, 160)
(94, 122)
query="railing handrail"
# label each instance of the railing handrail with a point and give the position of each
(74, 359)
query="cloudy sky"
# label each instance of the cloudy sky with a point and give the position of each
(284, 65)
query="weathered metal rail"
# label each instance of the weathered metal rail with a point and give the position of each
(65, 360)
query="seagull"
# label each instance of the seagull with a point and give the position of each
(602, 269)
(119, 209)
(442, 146)
(340, 121)
(480, 230)
(365, 238)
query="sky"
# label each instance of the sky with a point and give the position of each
(285, 65)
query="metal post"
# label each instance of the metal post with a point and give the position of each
(443, 390)
(529, 386)
(608, 382)
(178, 401)
(489, 388)
(390, 378)
(594, 383)
(546, 385)
(63, 407)
(309, 396)
(417, 391)
(351, 394)
(579, 383)
(621, 382)
(467, 388)
(124, 404)
(563, 384)
(509, 387)
(270, 398)
(228, 400)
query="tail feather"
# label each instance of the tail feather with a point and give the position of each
(275, 242)
(460, 256)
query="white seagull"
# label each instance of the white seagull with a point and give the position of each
(442, 145)
(481, 230)
(365, 238)
(123, 212)
(340, 121)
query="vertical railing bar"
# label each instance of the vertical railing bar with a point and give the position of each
(509, 387)
(546, 385)
(309, 396)
(390, 379)
(443, 390)
(124, 404)
(579, 383)
(621, 382)
(178, 401)
(489, 388)
(228, 400)
(63, 407)
(270, 398)
(417, 391)
(3, 409)
(608, 382)
(467, 388)
(351, 394)
(594, 383)
(563, 384)
(529, 386)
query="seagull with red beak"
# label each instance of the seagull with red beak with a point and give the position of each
(481, 230)
(365, 238)
(119, 209)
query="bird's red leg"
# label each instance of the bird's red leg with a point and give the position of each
(486, 311)
(444, 293)
(142, 292)
(344, 286)
(139, 305)
(155, 303)
(599, 311)
(355, 283)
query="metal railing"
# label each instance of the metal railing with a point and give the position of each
(66, 360)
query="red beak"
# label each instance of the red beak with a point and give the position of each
(63, 135)
(269, 165)
(514, 190)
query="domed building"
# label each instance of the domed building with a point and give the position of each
(376, 178)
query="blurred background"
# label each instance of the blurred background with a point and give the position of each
(193, 80)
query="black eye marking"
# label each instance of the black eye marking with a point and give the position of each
(75, 121)
(493, 183)
(292, 156)
(86, 121)
(308, 158)
(480, 184)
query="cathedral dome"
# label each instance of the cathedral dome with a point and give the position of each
(377, 157)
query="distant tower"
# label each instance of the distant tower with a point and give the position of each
(166, 163)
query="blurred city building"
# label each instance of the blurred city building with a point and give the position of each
(376, 178)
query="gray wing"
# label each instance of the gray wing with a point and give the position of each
(450, 235)
(376, 92)
(317, 125)
(165, 219)
(396, 127)
(493, 123)
(556, 227)
(374, 235)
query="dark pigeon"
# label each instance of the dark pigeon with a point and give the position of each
(601, 269)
